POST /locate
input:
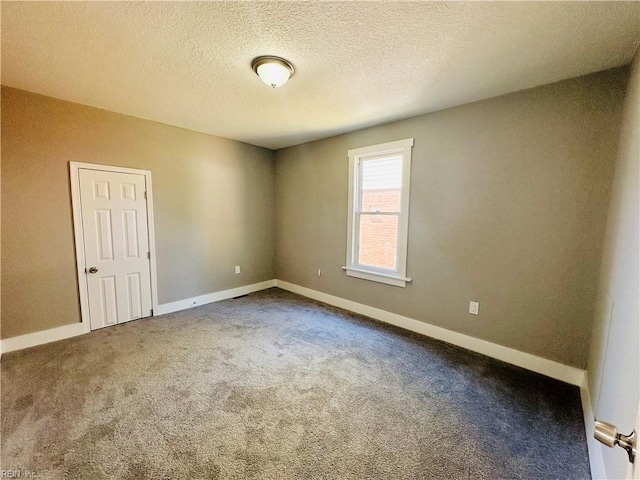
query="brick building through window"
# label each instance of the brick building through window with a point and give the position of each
(379, 233)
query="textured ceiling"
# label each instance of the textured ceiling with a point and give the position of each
(357, 63)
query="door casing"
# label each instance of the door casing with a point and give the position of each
(74, 168)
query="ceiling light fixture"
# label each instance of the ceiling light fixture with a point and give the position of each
(274, 71)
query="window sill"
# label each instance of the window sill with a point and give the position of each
(377, 277)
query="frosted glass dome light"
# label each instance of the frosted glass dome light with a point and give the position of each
(274, 71)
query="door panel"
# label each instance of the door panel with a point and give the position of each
(109, 310)
(131, 234)
(116, 243)
(617, 385)
(634, 469)
(134, 295)
(104, 234)
(620, 385)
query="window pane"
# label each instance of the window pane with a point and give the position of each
(378, 242)
(381, 184)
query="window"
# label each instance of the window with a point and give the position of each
(379, 212)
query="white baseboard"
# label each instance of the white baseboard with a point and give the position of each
(596, 461)
(42, 337)
(73, 330)
(550, 368)
(213, 297)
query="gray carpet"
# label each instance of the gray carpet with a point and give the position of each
(276, 386)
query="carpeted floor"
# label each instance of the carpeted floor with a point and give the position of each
(276, 386)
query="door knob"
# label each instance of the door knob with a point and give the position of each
(92, 270)
(608, 434)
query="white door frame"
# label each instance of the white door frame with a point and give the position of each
(74, 173)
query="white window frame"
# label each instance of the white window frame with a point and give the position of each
(396, 277)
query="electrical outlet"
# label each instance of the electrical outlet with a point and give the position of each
(319, 272)
(474, 307)
(237, 269)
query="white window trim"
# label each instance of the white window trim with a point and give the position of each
(398, 277)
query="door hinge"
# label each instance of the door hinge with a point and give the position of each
(148, 255)
(145, 195)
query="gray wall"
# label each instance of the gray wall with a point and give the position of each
(508, 207)
(213, 201)
(616, 336)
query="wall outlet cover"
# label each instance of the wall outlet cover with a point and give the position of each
(474, 308)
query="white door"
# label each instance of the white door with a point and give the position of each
(116, 246)
(634, 469)
(619, 396)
